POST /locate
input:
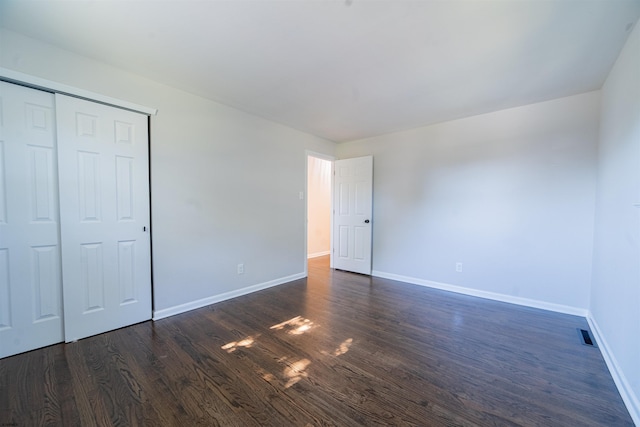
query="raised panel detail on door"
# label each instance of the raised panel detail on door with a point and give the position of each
(126, 271)
(124, 187)
(89, 186)
(92, 279)
(360, 247)
(103, 155)
(42, 184)
(39, 118)
(45, 278)
(3, 187)
(353, 187)
(5, 291)
(86, 125)
(362, 198)
(343, 199)
(30, 283)
(343, 242)
(124, 132)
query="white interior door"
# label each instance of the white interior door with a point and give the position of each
(104, 210)
(353, 194)
(30, 278)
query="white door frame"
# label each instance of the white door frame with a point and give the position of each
(34, 82)
(307, 154)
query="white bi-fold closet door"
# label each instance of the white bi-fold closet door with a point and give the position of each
(74, 219)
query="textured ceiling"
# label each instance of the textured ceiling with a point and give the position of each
(346, 70)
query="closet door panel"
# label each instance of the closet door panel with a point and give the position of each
(104, 181)
(30, 276)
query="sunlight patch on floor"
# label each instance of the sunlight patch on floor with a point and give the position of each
(342, 348)
(296, 371)
(295, 326)
(234, 345)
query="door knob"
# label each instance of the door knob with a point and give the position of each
(366, 221)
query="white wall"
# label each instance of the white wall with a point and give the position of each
(615, 297)
(318, 206)
(225, 184)
(509, 194)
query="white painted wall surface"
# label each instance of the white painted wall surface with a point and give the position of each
(225, 184)
(318, 206)
(509, 194)
(615, 297)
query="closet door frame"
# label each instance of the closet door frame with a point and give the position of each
(52, 87)
(12, 76)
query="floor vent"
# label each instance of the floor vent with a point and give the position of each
(585, 338)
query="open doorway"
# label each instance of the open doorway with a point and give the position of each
(319, 199)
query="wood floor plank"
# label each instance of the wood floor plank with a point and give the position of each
(335, 349)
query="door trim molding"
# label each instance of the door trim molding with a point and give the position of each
(34, 82)
(332, 159)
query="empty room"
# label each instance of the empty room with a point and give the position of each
(320, 213)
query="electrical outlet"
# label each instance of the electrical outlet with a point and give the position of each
(459, 267)
(240, 268)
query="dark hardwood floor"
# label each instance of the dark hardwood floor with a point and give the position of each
(335, 349)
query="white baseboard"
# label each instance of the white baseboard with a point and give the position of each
(559, 308)
(631, 401)
(628, 396)
(192, 305)
(318, 254)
